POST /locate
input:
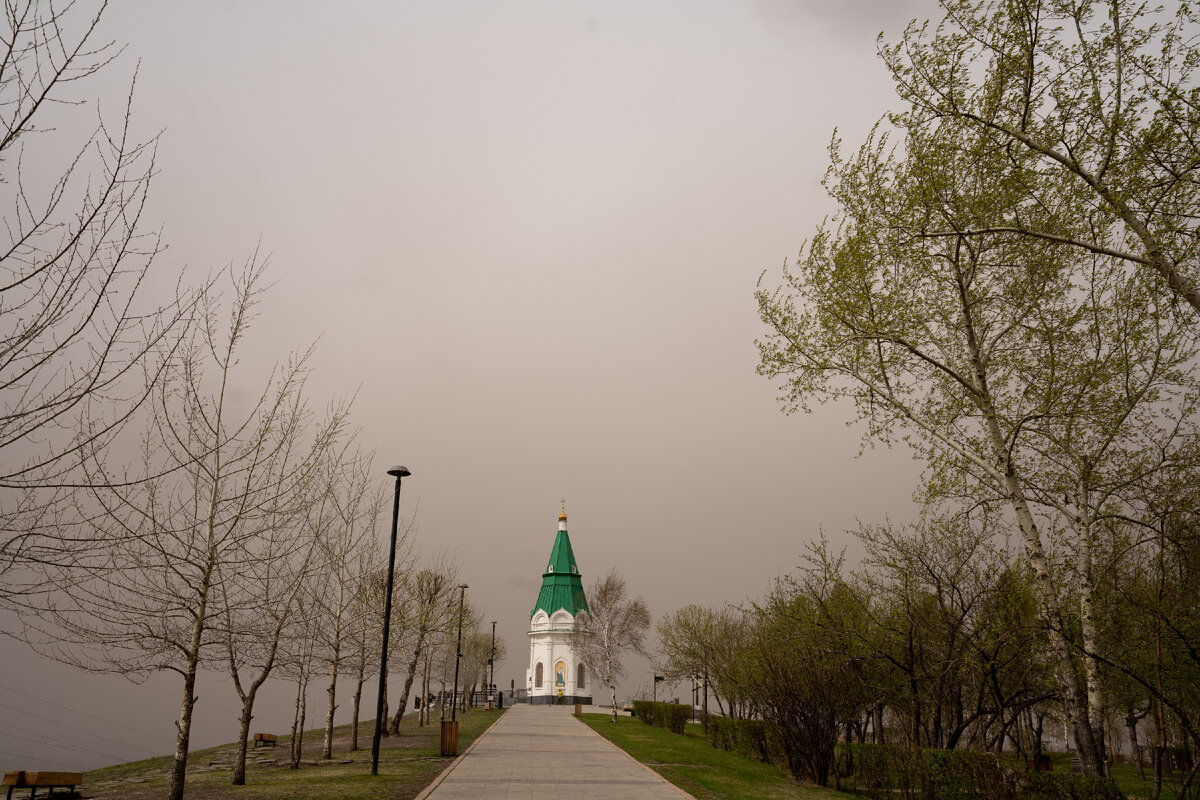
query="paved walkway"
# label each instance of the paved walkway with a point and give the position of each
(543, 753)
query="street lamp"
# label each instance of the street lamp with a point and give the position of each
(398, 473)
(458, 655)
(492, 663)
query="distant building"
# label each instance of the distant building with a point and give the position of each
(557, 672)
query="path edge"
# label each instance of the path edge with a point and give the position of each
(428, 790)
(602, 738)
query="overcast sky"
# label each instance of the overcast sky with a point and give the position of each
(528, 234)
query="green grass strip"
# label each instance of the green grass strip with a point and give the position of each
(700, 770)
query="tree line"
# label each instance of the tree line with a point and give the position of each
(935, 639)
(165, 503)
(1008, 287)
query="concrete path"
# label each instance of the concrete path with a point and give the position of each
(544, 753)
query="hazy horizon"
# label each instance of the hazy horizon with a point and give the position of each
(527, 235)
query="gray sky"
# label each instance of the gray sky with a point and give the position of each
(528, 233)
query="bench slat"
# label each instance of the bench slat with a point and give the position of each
(42, 778)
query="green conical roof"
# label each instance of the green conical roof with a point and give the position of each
(562, 586)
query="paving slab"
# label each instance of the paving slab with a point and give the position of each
(544, 753)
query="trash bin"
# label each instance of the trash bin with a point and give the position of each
(449, 740)
(578, 709)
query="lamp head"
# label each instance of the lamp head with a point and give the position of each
(399, 472)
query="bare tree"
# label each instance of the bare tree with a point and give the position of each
(356, 500)
(299, 662)
(432, 606)
(81, 349)
(363, 630)
(476, 650)
(258, 595)
(222, 469)
(614, 628)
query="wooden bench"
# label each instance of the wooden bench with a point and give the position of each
(41, 780)
(264, 739)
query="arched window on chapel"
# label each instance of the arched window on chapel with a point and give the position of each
(579, 677)
(537, 676)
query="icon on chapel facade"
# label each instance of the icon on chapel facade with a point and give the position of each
(557, 672)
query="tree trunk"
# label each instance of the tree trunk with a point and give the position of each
(354, 721)
(614, 702)
(247, 697)
(424, 718)
(298, 719)
(1087, 620)
(394, 726)
(1074, 702)
(183, 727)
(239, 766)
(331, 693)
(1156, 790)
(1131, 726)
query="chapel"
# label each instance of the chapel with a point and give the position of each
(557, 672)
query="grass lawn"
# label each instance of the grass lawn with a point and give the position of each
(1127, 778)
(407, 764)
(691, 764)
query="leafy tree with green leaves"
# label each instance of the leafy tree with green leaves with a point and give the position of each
(613, 627)
(702, 643)
(1094, 102)
(964, 345)
(801, 672)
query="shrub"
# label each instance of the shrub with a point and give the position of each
(720, 732)
(748, 737)
(967, 775)
(910, 773)
(1067, 786)
(672, 716)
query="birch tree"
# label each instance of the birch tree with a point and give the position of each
(221, 469)
(1097, 103)
(959, 344)
(613, 629)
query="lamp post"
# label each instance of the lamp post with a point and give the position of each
(458, 654)
(657, 680)
(398, 473)
(492, 662)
